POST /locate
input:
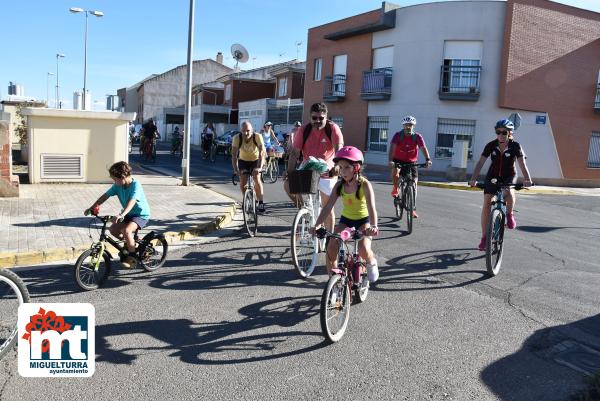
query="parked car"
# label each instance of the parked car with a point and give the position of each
(224, 142)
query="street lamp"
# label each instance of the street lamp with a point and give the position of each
(98, 14)
(57, 100)
(48, 88)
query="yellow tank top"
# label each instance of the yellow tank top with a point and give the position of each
(249, 151)
(355, 209)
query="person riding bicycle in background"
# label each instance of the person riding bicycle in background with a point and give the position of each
(404, 149)
(321, 139)
(251, 158)
(175, 140)
(207, 137)
(136, 210)
(268, 135)
(151, 134)
(504, 151)
(358, 209)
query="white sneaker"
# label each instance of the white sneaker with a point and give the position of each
(372, 271)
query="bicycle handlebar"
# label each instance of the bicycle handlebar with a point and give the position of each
(352, 233)
(517, 187)
(403, 164)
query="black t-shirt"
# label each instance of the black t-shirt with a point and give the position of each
(150, 130)
(503, 164)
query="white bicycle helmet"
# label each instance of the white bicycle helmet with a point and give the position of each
(409, 120)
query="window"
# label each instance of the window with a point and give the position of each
(339, 121)
(378, 133)
(461, 76)
(227, 92)
(282, 87)
(318, 67)
(594, 153)
(449, 130)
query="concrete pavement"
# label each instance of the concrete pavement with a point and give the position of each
(46, 222)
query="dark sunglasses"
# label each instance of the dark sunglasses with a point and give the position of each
(501, 132)
(319, 118)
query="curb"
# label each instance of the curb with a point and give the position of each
(530, 191)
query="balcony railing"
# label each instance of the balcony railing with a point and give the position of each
(459, 82)
(335, 88)
(377, 84)
(597, 102)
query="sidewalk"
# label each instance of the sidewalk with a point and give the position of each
(46, 222)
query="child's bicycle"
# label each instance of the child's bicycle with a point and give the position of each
(13, 293)
(94, 265)
(348, 282)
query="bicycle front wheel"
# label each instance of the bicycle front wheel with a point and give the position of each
(494, 242)
(273, 170)
(335, 308)
(213, 153)
(249, 211)
(304, 246)
(409, 200)
(13, 293)
(153, 253)
(91, 269)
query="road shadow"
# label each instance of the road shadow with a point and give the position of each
(79, 222)
(540, 229)
(552, 364)
(223, 342)
(409, 269)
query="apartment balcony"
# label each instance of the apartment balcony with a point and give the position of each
(597, 102)
(335, 88)
(377, 84)
(460, 83)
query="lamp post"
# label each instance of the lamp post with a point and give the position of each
(57, 100)
(98, 14)
(48, 88)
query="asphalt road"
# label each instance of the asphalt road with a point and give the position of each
(229, 319)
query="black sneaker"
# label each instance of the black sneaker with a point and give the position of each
(260, 208)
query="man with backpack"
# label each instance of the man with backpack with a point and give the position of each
(251, 157)
(404, 148)
(320, 138)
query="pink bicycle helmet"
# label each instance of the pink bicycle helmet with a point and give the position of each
(349, 153)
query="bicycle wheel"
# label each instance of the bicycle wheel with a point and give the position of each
(86, 275)
(213, 153)
(273, 170)
(494, 242)
(153, 153)
(249, 211)
(362, 290)
(409, 203)
(398, 207)
(304, 247)
(13, 293)
(153, 253)
(335, 308)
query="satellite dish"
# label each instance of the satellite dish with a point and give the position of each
(239, 54)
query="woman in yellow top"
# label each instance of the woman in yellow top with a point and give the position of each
(358, 208)
(252, 155)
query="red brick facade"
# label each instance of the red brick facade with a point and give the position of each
(551, 59)
(352, 109)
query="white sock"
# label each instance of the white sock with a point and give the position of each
(372, 271)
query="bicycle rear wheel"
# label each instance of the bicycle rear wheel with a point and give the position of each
(249, 211)
(409, 200)
(86, 275)
(273, 170)
(153, 253)
(13, 293)
(304, 246)
(494, 243)
(335, 308)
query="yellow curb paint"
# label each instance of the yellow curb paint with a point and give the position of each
(29, 258)
(52, 255)
(7, 259)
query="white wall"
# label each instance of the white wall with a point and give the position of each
(418, 41)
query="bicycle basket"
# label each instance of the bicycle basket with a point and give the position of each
(304, 181)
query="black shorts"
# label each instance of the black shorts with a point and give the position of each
(491, 189)
(356, 224)
(244, 165)
(140, 221)
(404, 170)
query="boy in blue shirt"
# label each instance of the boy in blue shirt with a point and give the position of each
(135, 213)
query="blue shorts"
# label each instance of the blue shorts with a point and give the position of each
(356, 224)
(140, 221)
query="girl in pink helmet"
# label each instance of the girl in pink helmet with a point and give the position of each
(358, 208)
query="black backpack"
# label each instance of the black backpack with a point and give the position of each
(242, 139)
(308, 129)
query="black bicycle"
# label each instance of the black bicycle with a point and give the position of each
(248, 203)
(13, 293)
(407, 189)
(348, 282)
(94, 265)
(494, 246)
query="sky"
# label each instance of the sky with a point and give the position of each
(137, 38)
